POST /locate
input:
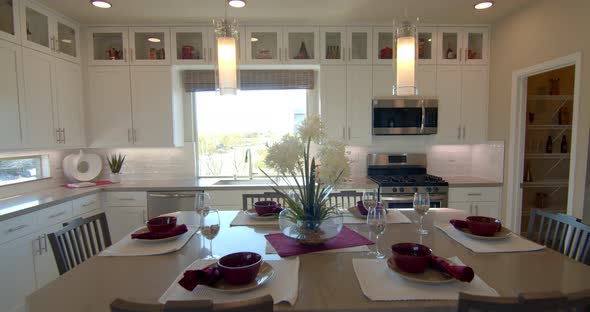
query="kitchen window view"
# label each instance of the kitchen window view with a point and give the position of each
(21, 169)
(250, 121)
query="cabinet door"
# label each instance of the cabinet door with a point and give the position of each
(11, 87)
(383, 45)
(151, 93)
(69, 100)
(333, 100)
(108, 46)
(427, 45)
(360, 43)
(465, 206)
(487, 209)
(448, 87)
(264, 45)
(475, 46)
(18, 273)
(450, 42)
(37, 28)
(45, 266)
(426, 80)
(39, 73)
(474, 103)
(149, 45)
(333, 44)
(359, 90)
(190, 45)
(301, 45)
(383, 79)
(67, 40)
(9, 20)
(109, 109)
(123, 220)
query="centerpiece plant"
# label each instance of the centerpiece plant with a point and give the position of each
(311, 165)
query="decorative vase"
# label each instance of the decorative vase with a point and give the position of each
(115, 177)
(310, 232)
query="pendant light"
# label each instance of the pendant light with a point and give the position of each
(405, 37)
(226, 75)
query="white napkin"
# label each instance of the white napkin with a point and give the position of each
(364, 248)
(514, 243)
(243, 219)
(127, 247)
(392, 217)
(379, 283)
(283, 286)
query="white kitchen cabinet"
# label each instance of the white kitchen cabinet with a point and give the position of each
(231, 199)
(69, 102)
(481, 201)
(332, 45)
(9, 20)
(17, 269)
(359, 87)
(463, 45)
(126, 211)
(108, 46)
(427, 45)
(282, 45)
(360, 44)
(43, 257)
(333, 100)
(149, 45)
(192, 45)
(301, 45)
(383, 80)
(264, 45)
(11, 95)
(426, 80)
(383, 45)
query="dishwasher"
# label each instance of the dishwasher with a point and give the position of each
(162, 202)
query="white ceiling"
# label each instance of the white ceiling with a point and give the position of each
(321, 12)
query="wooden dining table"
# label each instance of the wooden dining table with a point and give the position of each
(327, 281)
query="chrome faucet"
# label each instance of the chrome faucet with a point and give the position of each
(249, 161)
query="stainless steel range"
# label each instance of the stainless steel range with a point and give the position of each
(401, 175)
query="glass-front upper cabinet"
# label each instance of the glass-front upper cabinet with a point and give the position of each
(192, 45)
(383, 45)
(149, 45)
(450, 45)
(301, 45)
(360, 43)
(264, 45)
(66, 40)
(37, 29)
(108, 46)
(333, 44)
(427, 42)
(463, 45)
(9, 20)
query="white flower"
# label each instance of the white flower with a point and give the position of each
(334, 165)
(285, 154)
(312, 128)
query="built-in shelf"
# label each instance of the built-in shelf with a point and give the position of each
(548, 127)
(547, 156)
(556, 98)
(546, 183)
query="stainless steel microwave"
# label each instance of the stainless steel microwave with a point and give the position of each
(405, 116)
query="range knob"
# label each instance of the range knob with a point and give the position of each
(429, 189)
(415, 189)
(394, 189)
(401, 189)
(436, 189)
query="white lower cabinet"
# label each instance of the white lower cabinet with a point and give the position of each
(231, 199)
(17, 269)
(480, 201)
(126, 211)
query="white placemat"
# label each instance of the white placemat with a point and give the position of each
(128, 247)
(271, 250)
(514, 243)
(379, 283)
(242, 219)
(283, 286)
(392, 217)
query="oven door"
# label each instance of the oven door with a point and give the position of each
(399, 201)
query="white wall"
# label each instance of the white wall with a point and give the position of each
(543, 31)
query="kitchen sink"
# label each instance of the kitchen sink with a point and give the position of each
(244, 182)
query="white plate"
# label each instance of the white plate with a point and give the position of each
(503, 234)
(154, 241)
(265, 273)
(254, 215)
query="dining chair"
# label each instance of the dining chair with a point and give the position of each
(562, 233)
(531, 302)
(79, 240)
(579, 301)
(248, 200)
(344, 199)
(259, 304)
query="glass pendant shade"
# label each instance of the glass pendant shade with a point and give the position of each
(405, 62)
(226, 74)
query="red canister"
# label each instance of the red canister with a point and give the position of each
(187, 52)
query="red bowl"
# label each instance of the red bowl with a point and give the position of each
(240, 268)
(161, 224)
(483, 226)
(266, 207)
(411, 257)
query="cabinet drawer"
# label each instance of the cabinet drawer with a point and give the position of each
(86, 204)
(126, 199)
(18, 226)
(474, 194)
(55, 214)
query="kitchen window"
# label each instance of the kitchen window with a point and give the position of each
(21, 169)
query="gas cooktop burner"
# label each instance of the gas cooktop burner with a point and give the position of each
(409, 180)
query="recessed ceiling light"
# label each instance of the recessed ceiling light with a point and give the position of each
(253, 39)
(483, 5)
(101, 4)
(237, 3)
(154, 39)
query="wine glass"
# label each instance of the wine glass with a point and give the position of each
(421, 206)
(377, 221)
(202, 204)
(210, 226)
(370, 198)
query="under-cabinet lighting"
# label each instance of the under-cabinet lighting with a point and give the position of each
(154, 39)
(66, 41)
(237, 3)
(253, 39)
(101, 4)
(483, 5)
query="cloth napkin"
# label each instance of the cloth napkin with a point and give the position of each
(283, 286)
(379, 283)
(513, 243)
(242, 219)
(460, 272)
(177, 230)
(287, 247)
(128, 247)
(207, 276)
(393, 216)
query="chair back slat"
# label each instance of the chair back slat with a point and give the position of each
(344, 199)
(78, 241)
(248, 200)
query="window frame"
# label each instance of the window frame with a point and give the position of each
(44, 170)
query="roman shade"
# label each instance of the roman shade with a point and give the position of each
(204, 80)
